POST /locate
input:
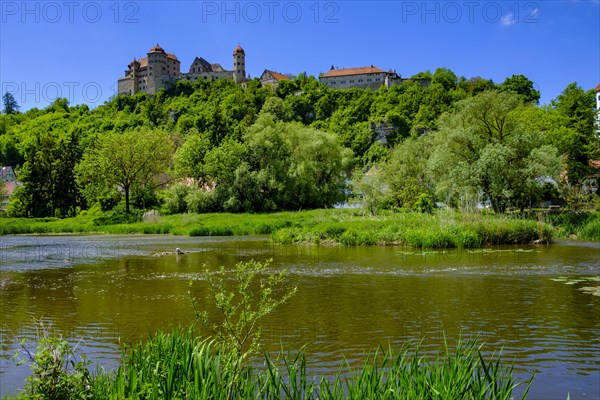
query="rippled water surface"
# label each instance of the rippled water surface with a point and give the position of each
(540, 304)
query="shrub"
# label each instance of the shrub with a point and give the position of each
(174, 199)
(200, 201)
(591, 230)
(57, 372)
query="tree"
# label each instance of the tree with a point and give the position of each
(577, 107)
(482, 150)
(10, 104)
(189, 158)
(521, 85)
(123, 160)
(405, 172)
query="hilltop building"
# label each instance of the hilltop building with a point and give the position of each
(364, 77)
(272, 78)
(160, 69)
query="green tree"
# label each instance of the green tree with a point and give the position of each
(481, 149)
(123, 160)
(578, 109)
(521, 85)
(189, 158)
(405, 172)
(10, 104)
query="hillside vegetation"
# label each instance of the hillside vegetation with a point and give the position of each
(219, 147)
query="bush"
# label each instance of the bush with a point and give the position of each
(57, 372)
(591, 230)
(174, 199)
(118, 216)
(201, 201)
(144, 197)
(424, 204)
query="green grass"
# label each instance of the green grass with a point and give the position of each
(591, 229)
(180, 365)
(443, 229)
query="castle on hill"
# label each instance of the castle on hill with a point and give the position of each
(160, 69)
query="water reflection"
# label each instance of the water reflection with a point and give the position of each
(349, 300)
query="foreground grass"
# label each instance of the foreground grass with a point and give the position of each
(179, 365)
(444, 229)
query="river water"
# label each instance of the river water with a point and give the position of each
(539, 304)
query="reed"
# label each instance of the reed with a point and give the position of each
(179, 365)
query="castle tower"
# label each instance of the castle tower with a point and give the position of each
(135, 76)
(239, 64)
(157, 67)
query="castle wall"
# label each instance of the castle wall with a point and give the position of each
(359, 81)
(125, 86)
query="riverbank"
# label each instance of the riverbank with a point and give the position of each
(443, 229)
(181, 365)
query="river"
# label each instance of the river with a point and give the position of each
(539, 304)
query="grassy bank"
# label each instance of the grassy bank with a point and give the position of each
(443, 229)
(180, 365)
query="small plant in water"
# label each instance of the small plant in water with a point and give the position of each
(57, 371)
(243, 304)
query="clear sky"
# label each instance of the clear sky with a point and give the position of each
(78, 49)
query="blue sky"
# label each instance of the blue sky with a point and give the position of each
(78, 49)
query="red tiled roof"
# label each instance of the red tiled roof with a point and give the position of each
(9, 187)
(278, 76)
(143, 62)
(352, 71)
(598, 88)
(172, 56)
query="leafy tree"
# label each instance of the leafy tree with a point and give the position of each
(481, 149)
(521, 85)
(123, 160)
(369, 189)
(405, 172)
(189, 158)
(37, 175)
(578, 109)
(10, 104)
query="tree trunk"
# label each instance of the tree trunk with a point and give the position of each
(126, 189)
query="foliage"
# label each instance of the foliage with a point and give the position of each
(368, 190)
(483, 149)
(591, 230)
(243, 307)
(124, 160)
(405, 172)
(577, 109)
(180, 365)
(57, 371)
(10, 104)
(522, 86)
(444, 229)
(217, 127)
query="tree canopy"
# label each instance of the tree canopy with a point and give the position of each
(248, 148)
